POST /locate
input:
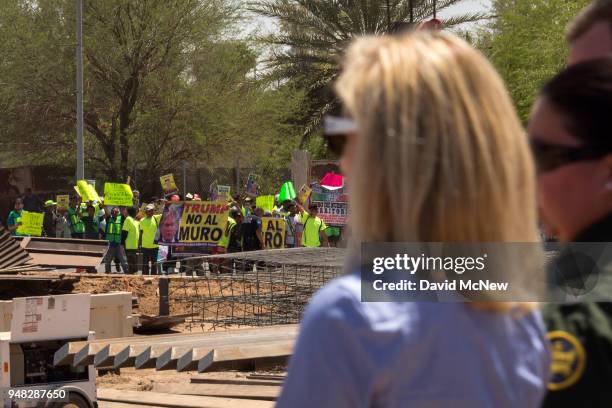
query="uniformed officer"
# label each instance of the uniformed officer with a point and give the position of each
(571, 138)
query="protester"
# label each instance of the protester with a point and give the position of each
(31, 202)
(590, 34)
(91, 223)
(50, 219)
(247, 206)
(113, 236)
(14, 218)
(148, 230)
(252, 238)
(313, 233)
(234, 243)
(570, 132)
(136, 198)
(124, 213)
(77, 228)
(62, 226)
(437, 132)
(291, 223)
(230, 226)
(130, 238)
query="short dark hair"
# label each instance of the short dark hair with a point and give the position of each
(597, 11)
(582, 94)
(313, 207)
(131, 211)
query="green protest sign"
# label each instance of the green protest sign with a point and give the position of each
(265, 202)
(86, 191)
(31, 224)
(118, 194)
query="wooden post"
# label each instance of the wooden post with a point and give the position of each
(164, 304)
(300, 168)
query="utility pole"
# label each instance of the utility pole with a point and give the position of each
(184, 176)
(79, 86)
(388, 17)
(237, 174)
(411, 7)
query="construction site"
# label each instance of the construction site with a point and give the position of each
(217, 334)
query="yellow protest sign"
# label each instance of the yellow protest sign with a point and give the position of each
(304, 194)
(31, 224)
(141, 211)
(273, 231)
(201, 222)
(266, 203)
(118, 195)
(223, 192)
(63, 202)
(168, 184)
(86, 191)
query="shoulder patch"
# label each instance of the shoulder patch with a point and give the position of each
(568, 360)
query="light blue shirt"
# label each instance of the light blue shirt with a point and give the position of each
(425, 354)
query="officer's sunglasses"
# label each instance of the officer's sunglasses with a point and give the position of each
(335, 132)
(549, 157)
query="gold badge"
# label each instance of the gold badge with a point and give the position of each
(568, 360)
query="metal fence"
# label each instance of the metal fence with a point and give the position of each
(252, 288)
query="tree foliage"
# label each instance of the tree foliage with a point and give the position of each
(526, 44)
(165, 82)
(314, 33)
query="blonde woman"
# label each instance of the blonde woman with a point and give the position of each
(437, 154)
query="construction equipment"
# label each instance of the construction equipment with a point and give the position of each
(38, 330)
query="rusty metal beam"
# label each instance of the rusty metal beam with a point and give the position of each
(65, 252)
(11, 253)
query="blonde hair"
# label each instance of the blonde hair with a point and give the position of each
(442, 156)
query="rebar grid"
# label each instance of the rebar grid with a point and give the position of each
(252, 288)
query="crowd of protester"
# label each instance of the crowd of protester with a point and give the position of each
(131, 233)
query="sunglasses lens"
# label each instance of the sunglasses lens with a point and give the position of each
(550, 157)
(547, 158)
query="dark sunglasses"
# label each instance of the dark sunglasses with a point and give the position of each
(336, 144)
(549, 157)
(335, 131)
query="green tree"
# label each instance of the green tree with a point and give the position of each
(314, 33)
(526, 44)
(165, 82)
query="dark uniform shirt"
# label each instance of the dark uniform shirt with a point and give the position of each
(248, 230)
(234, 243)
(49, 224)
(581, 343)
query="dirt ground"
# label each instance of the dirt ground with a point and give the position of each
(210, 303)
(144, 288)
(144, 380)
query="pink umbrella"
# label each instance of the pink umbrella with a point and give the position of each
(332, 181)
